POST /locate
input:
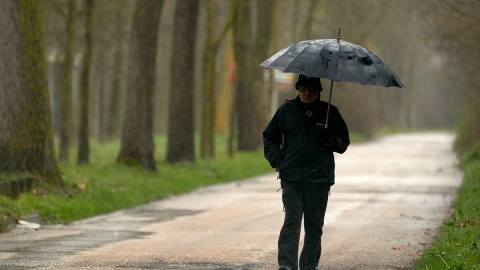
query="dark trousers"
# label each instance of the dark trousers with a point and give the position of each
(311, 203)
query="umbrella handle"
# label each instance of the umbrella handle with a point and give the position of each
(329, 101)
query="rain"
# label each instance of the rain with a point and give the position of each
(174, 86)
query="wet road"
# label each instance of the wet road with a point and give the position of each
(390, 199)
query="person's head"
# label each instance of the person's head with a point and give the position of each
(309, 88)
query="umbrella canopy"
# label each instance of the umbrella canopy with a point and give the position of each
(336, 60)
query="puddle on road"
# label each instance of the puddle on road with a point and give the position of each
(30, 254)
(40, 253)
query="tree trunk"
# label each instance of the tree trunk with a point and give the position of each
(180, 118)
(137, 132)
(244, 90)
(309, 23)
(113, 108)
(265, 12)
(83, 145)
(209, 103)
(26, 136)
(66, 96)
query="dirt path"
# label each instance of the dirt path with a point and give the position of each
(390, 199)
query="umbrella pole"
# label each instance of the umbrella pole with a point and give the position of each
(329, 101)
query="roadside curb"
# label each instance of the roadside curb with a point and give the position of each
(12, 222)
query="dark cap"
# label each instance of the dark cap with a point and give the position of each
(308, 81)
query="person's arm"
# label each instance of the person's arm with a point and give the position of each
(340, 138)
(272, 139)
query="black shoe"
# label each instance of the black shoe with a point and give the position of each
(285, 267)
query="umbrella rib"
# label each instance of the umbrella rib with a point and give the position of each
(390, 77)
(327, 62)
(358, 61)
(307, 44)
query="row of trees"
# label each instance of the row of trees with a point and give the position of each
(456, 36)
(131, 69)
(25, 88)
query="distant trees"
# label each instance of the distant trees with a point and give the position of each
(26, 136)
(137, 144)
(456, 36)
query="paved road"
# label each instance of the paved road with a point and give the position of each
(390, 199)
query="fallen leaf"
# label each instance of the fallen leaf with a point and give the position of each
(398, 248)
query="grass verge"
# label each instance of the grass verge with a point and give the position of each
(458, 246)
(104, 186)
(96, 189)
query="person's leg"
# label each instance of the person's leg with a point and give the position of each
(290, 234)
(316, 200)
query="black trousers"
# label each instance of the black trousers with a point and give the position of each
(311, 204)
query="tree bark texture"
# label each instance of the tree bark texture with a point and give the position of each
(26, 135)
(180, 117)
(137, 132)
(83, 134)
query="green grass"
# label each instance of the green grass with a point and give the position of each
(105, 187)
(458, 246)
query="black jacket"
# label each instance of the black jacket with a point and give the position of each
(297, 143)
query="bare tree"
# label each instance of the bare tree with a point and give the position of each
(137, 131)
(26, 136)
(180, 117)
(66, 96)
(454, 26)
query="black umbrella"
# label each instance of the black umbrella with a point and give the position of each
(336, 60)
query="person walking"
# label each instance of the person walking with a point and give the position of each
(299, 146)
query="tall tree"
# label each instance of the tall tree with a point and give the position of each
(66, 96)
(265, 19)
(207, 145)
(137, 131)
(455, 26)
(83, 144)
(180, 117)
(118, 67)
(244, 85)
(26, 136)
